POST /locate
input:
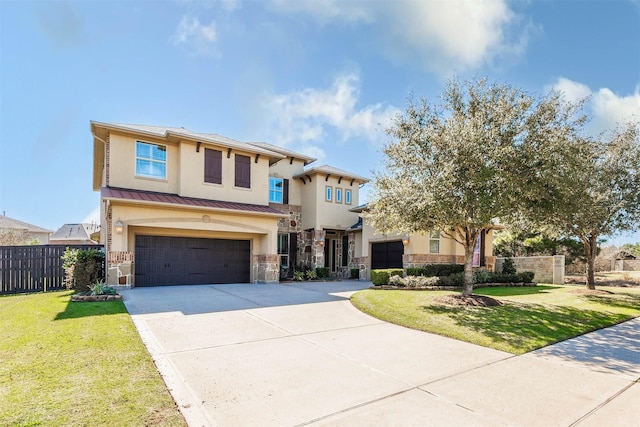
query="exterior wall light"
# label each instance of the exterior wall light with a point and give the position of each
(405, 240)
(119, 227)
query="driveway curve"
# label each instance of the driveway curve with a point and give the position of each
(301, 354)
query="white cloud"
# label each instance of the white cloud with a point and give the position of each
(441, 36)
(308, 114)
(605, 108)
(326, 11)
(201, 38)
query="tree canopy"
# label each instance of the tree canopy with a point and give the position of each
(449, 166)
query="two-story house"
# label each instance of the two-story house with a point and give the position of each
(180, 207)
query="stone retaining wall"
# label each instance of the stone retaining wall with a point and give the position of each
(547, 269)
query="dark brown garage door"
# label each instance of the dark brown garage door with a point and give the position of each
(191, 261)
(387, 255)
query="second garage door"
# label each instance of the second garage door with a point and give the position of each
(386, 255)
(162, 260)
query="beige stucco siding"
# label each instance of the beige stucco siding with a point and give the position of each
(287, 170)
(122, 164)
(321, 213)
(192, 184)
(165, 221)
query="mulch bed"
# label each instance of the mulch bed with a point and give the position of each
(470, 301)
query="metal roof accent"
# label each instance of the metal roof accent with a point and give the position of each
(114, 193)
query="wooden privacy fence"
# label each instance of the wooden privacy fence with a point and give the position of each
(36, 268)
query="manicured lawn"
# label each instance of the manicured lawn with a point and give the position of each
(81, 363)
(529, 318)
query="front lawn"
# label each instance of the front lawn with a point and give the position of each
(530, 317)
(79, 363)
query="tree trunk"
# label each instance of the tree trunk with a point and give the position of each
(470, 243)
(591, 249)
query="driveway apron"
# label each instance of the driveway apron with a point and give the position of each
(301, 354)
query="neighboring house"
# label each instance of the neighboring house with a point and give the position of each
(625, 261)
(14, 233)
(180, 207)
(75, 234)
(375, 251)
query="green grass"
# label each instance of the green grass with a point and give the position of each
(529, 318)
(78, 363)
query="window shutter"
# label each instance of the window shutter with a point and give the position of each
(212, 166)
(243, 171)
(285, 191)
(483, 238)
(293, 249)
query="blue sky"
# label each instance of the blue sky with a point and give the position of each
(321, 77)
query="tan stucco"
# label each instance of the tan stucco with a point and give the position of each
(318, 213)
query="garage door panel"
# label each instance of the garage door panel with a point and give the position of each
(164, 260)
(387, 255)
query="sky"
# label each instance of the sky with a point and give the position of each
(320, 77)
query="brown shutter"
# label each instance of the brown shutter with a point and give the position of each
(212, 166)
(293, 249)
(243, 171)
(285, 191)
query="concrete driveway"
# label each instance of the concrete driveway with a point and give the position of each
(301, 354)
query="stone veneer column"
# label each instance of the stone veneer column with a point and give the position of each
(266, 268)
(317, 248)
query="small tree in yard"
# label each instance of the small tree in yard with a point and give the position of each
(587, 188)
(451, 166)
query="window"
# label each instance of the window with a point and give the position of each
(338, 195)
(151, 160)
(347, 197)
(276, 189)
(434, 242)
(283, 250)
(328, 195)
(243, 171)
(212, 166)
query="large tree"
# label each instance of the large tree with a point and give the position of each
(586, 187)
(449, 166)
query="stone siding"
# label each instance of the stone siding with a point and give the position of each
(361, 263)
(120, 269)
(266, 268)
(547, 269)
(418, 260)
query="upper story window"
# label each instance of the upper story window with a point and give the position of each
(276, 187)
(338, 195)
(212, 166)
(151, 160)
(328, 195)
(243, 171)
(434, 242)
(347, 196)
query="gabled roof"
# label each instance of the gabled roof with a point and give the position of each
(150, 197)
(75, 232)
(8, 224)
(332, 171)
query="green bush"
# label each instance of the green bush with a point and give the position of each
(310, 275)
(415, 271)
(441, 269)
(83, 267)
(397, 281)
(455, 280)
(355, 273)
(381, 277)
(298, 276)
(323, 272)
(508, 267)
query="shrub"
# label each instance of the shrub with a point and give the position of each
(442, 269)
(100, 288)
(381, 277)
(83, 267)
(508, 267)
(527, 276)
(415, 271)
(420, 281)
(483, 276)
(298, 276)
(397, 281)
(310, 275)
(355, 273)
(455, 280)
(323, 272)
